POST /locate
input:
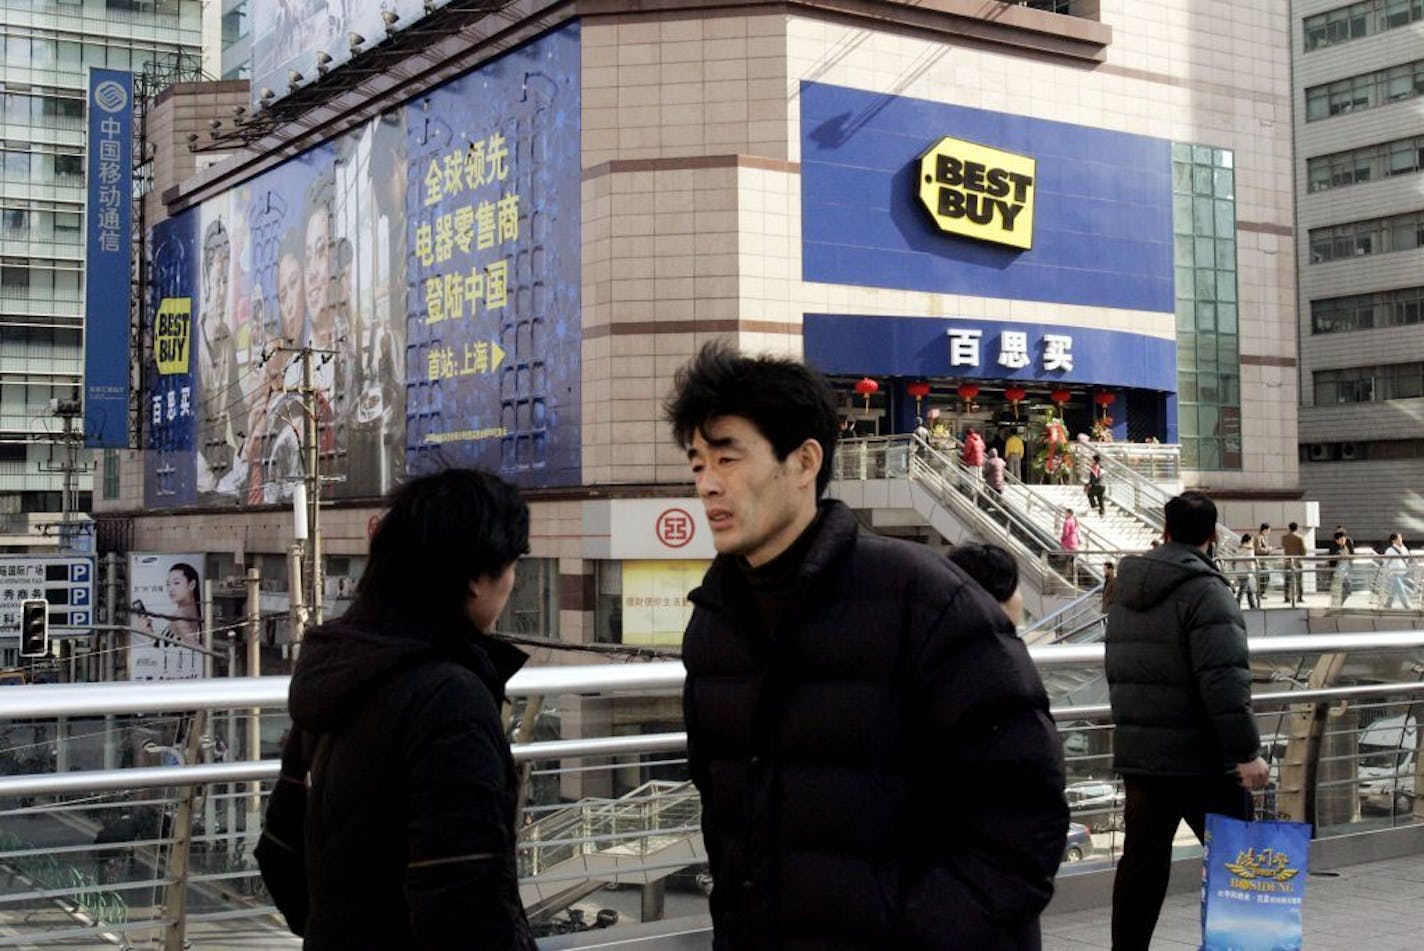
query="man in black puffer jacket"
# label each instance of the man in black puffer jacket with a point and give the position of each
(409, 820)
(1180, 685)
(872, 744)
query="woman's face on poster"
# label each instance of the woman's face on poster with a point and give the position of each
(215, 290)
(289, 296)
(318, 271)
(179, 587)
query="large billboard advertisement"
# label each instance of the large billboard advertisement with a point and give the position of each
(928, 196)
(108, 246)
(495, 336)
(423, 269)
(166, 603)
(290, 36)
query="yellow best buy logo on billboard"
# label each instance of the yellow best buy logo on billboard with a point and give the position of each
(173, 335)
(979, 192)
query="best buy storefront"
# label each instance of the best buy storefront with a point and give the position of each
(1057, 264)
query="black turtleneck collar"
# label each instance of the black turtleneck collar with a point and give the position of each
(773, 585)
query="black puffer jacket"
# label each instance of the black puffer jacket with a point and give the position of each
(881, 772)
(1178, 668)
(410, 816)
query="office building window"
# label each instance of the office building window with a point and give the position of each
(1375, 236)
(1208, 334)
(111, 474)
(533, 606)
(1397, 308)
(1366, 164)
(1359, 19)
(1393, 381)
(1366, 91)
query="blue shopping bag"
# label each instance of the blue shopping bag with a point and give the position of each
(1253, 884)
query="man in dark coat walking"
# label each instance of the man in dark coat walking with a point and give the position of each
(409, 819)
(872, 744)
(1179, 681)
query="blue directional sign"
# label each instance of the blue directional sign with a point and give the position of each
(66, 582)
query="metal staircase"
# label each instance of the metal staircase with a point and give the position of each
(641, 837)
(954, 499)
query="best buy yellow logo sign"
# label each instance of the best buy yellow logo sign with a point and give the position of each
(979, 192)
(173, 335)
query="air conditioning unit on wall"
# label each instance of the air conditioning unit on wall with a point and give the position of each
(1319, 452)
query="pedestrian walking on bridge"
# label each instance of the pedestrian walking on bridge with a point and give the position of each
(1179, 682)
(835, 678)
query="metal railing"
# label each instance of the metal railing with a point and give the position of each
(961, 490)
(1154, 463)
(84, 864)
(1365, 580)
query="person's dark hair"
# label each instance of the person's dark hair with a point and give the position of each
(215, 242)
(188, 572)
(1338, 534)
(1191, 518)
(991, 566)
(441, 532)
(1265, 526)
(1245, 538)
(293, 244)
(786, 401)
(1292, 526)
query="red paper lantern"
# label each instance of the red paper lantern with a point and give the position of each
(919, 390)
(867, 388)
(1014, 395)
(1060, 396)
(1104, 398)
(967, 391)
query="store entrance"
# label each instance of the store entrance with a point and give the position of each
(998, 409)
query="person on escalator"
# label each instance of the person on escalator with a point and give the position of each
(994, 471)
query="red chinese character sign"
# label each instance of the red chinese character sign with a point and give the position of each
(675, 528)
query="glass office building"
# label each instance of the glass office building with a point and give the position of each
(46, 47)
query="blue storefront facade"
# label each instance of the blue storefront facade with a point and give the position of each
(1079, 227)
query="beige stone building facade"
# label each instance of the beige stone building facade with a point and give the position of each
(749, 171)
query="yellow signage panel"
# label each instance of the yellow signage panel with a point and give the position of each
(173, 335)
(654, 604)
(978, 192)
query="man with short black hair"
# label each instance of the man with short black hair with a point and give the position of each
(1262, 548)
(1293, 546)
(837, 682)
(1179, 682)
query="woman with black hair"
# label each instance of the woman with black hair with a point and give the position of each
(409, 786)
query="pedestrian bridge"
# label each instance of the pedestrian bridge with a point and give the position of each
(98, 854)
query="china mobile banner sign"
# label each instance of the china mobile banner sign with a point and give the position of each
(165, 600)
(108, 250)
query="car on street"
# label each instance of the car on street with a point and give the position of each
(1096, 803)
(1080, 843)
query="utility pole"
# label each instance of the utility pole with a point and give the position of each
(254, 715)
(68, 411)
(313, 482)
(311, 593)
